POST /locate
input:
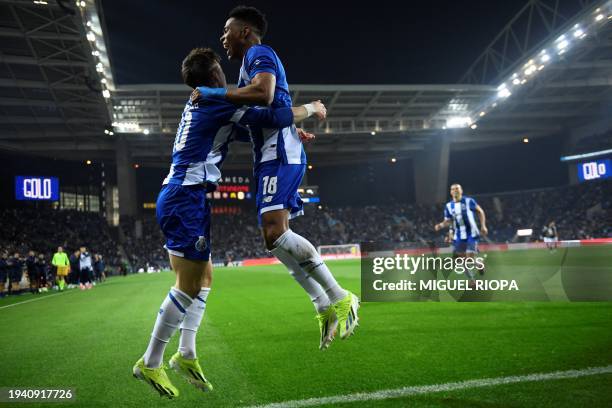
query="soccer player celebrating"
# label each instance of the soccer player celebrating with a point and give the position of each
(460, 211)
(183, 214)
(279, 166)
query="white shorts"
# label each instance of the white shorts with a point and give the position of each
(548, 239)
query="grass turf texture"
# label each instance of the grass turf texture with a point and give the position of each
(258, 344)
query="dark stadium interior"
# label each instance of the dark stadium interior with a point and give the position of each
(374, 157)
(445, 132)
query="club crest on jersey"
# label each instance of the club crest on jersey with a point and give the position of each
(200, 244)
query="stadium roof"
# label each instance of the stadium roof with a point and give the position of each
(54, 60)
(363, 120)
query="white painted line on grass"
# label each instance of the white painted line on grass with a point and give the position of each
(33, 300)
(426, 389)
(55, 294)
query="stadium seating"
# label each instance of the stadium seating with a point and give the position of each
(43, 230)
(581, 211)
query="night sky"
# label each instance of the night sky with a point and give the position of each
(329, 42)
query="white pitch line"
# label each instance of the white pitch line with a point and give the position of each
(33, 300)
(426, 389)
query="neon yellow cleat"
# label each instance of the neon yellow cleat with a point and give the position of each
(328, 322)
(157, 378)
(191, 371)
(346, 310)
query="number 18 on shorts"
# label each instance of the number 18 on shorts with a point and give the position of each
(277, 186)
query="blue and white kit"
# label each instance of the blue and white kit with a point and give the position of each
(200, 147)
(464, 220)
(278, 153)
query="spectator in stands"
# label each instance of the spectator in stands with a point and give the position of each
(61, 263)
(85, 267)
(34, 228)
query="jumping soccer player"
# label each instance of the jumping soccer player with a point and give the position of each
(279, 166)
(460, 211)
(183, 214)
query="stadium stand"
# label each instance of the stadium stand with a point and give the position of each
(146, 251)
(43, 230)
(581, 211)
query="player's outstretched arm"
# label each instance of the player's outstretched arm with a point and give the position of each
(280, 117)
(315, 108)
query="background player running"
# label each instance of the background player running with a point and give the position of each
(279, 166)
(460, 212)
(183, 214)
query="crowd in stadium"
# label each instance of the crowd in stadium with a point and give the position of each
(581, 211)
(30, 236)
(144, 250)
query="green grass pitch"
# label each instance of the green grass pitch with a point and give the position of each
(259, 344)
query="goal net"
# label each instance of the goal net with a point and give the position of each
(346, 251)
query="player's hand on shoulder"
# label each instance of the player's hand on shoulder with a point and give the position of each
(305, 137)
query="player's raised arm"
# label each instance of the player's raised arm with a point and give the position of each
(483, 220)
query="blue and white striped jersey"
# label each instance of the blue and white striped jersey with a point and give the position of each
(204, 133)
(463, 215)
(271, 143)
